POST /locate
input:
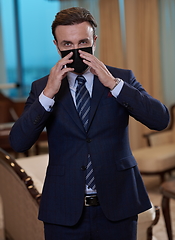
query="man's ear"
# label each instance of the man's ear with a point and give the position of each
(56, 44)
(94, 43)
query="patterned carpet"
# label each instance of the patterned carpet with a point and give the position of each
(153, 187)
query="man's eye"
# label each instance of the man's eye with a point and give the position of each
(83, 42)
(67, 44)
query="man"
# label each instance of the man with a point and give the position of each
(93, 188)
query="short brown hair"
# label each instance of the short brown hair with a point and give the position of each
(71, 16)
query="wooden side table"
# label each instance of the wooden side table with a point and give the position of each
(168, 192)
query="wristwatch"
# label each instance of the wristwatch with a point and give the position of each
(117, 81)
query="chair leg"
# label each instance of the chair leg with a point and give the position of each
(162, 177)
(150, 233)
(166, 214)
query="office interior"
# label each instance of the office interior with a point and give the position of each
(132, 34)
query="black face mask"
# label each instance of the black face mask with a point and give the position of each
(78, 64)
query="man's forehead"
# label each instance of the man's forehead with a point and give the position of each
(81, 28)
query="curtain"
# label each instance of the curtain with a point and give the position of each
(143, 48)
(167, 34)
(111, 49)
(143, 54)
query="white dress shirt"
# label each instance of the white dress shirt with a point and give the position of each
(48, 103)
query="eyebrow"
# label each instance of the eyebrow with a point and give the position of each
(85, 39)
(66, 41)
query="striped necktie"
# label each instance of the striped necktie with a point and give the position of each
(82, 101)
(82, 97)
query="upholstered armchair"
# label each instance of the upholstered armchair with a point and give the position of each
(21, 196)
(158, 158)
(19, 202)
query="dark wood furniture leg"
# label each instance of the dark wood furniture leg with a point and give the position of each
(167, 217)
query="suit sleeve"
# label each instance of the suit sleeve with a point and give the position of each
(141, 106)
(28, 127)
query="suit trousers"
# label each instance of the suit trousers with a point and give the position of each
(93, 225)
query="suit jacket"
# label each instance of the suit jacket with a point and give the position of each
(119, 185)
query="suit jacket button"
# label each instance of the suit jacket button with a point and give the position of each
(125, 104)
(88, 140)
(83, 168)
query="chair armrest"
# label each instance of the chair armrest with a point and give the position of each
(159, 138)
(157, 216)
(35, 167)
(146, 221)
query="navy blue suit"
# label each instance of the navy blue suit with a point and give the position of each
(120, 189)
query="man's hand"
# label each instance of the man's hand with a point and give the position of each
(57, 73)
(98, 68)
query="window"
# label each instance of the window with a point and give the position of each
(29, 52)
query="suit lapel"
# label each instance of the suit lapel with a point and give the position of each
(97, 93)
(65, 98)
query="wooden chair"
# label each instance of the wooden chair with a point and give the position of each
(8, 109)
(164, 137)
(20, 201)
(168, 192)
(158, 158)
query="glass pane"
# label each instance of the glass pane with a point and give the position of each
(8, 40)
(38, 53)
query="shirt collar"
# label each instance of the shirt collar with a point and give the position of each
(72, 78)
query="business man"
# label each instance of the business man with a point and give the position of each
(93, 188)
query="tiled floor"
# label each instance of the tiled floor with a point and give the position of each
(159, 231)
